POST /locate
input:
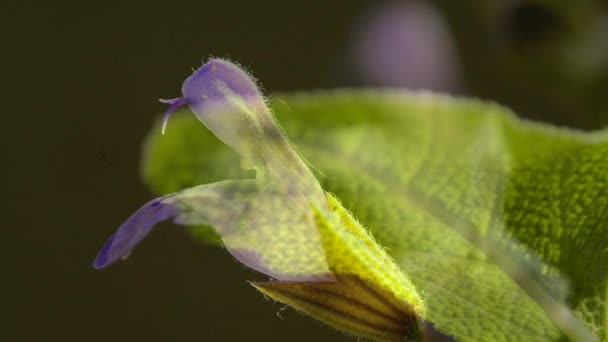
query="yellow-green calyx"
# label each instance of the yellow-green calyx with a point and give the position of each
(370, 297)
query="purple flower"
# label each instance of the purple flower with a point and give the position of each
(246, 213)
(281, 223)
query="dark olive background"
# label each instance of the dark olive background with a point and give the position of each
(79, 89)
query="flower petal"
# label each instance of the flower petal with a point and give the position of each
(262, 226)
(252, 221)
(132, 231)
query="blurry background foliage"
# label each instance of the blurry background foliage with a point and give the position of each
(80, 83)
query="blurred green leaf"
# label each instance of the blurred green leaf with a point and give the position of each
(501, 223)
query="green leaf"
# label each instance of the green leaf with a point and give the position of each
(501, 223)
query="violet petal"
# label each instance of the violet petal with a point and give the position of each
(132, 231)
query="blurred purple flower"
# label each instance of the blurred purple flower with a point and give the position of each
(406, 44)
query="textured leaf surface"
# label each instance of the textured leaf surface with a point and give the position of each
(501, 223)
